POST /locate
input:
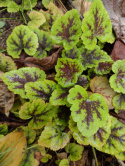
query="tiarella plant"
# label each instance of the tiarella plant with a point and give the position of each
(71, 106)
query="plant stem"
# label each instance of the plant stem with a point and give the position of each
(9, 19)
(3, 9)
(94, 153)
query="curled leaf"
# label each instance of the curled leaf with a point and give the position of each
(16, 79)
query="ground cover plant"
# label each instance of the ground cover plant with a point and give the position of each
(62, 91)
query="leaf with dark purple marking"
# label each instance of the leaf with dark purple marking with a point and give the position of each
(96, 25)
(33, 155)
(67, 29)
(40, 89)
(22, 38)
(116, 141)
(96, 140)
(29, 133)
(73, 53)
(68, 71)
(90, 113)
(6, 63)
(16, 79)
(45, 43)
(40, 113)
(59, 96)
(83, 81)
(54, 137)
(103, 67)
(119, 101)
(91, 58)
(117, 80)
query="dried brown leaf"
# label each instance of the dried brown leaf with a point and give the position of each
(101, 85)
(118, 52)
(116, 11)
(45, 64)
(6, 98)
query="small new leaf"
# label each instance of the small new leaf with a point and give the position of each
(13, 7)
(75, 151)
(83, 81)
(90, 113)
(64, 162)
(40, 89)
(91, 58)
(117, 80)
(40, 113)
(16, 79)
(37, 19)
(68, 71)
(54, 137)
(96, 25)
(22, 38)
(66, 29)
(3, 129)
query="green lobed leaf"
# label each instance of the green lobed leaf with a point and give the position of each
(37, 19)
(45, 43)
(3, 129)
(29, 133)
(73, 53)
(103, 67)
(83, 81)
(6, 63)
(118, 101)
(13, 7)
(91, 58)
(2, 24)
(64, 162)
(22, 38)
(46, 158)
(4, 3)
(32, 156)
(46, 2)
(117, 80)
(96, 25)
(66, 29)
(40, 89)
(75, 151)
(96, 140)
(40, 113)
(59, 96)
(68, 71)
(16, 79)
(54, 137)
(90, 113)
(116, 141)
